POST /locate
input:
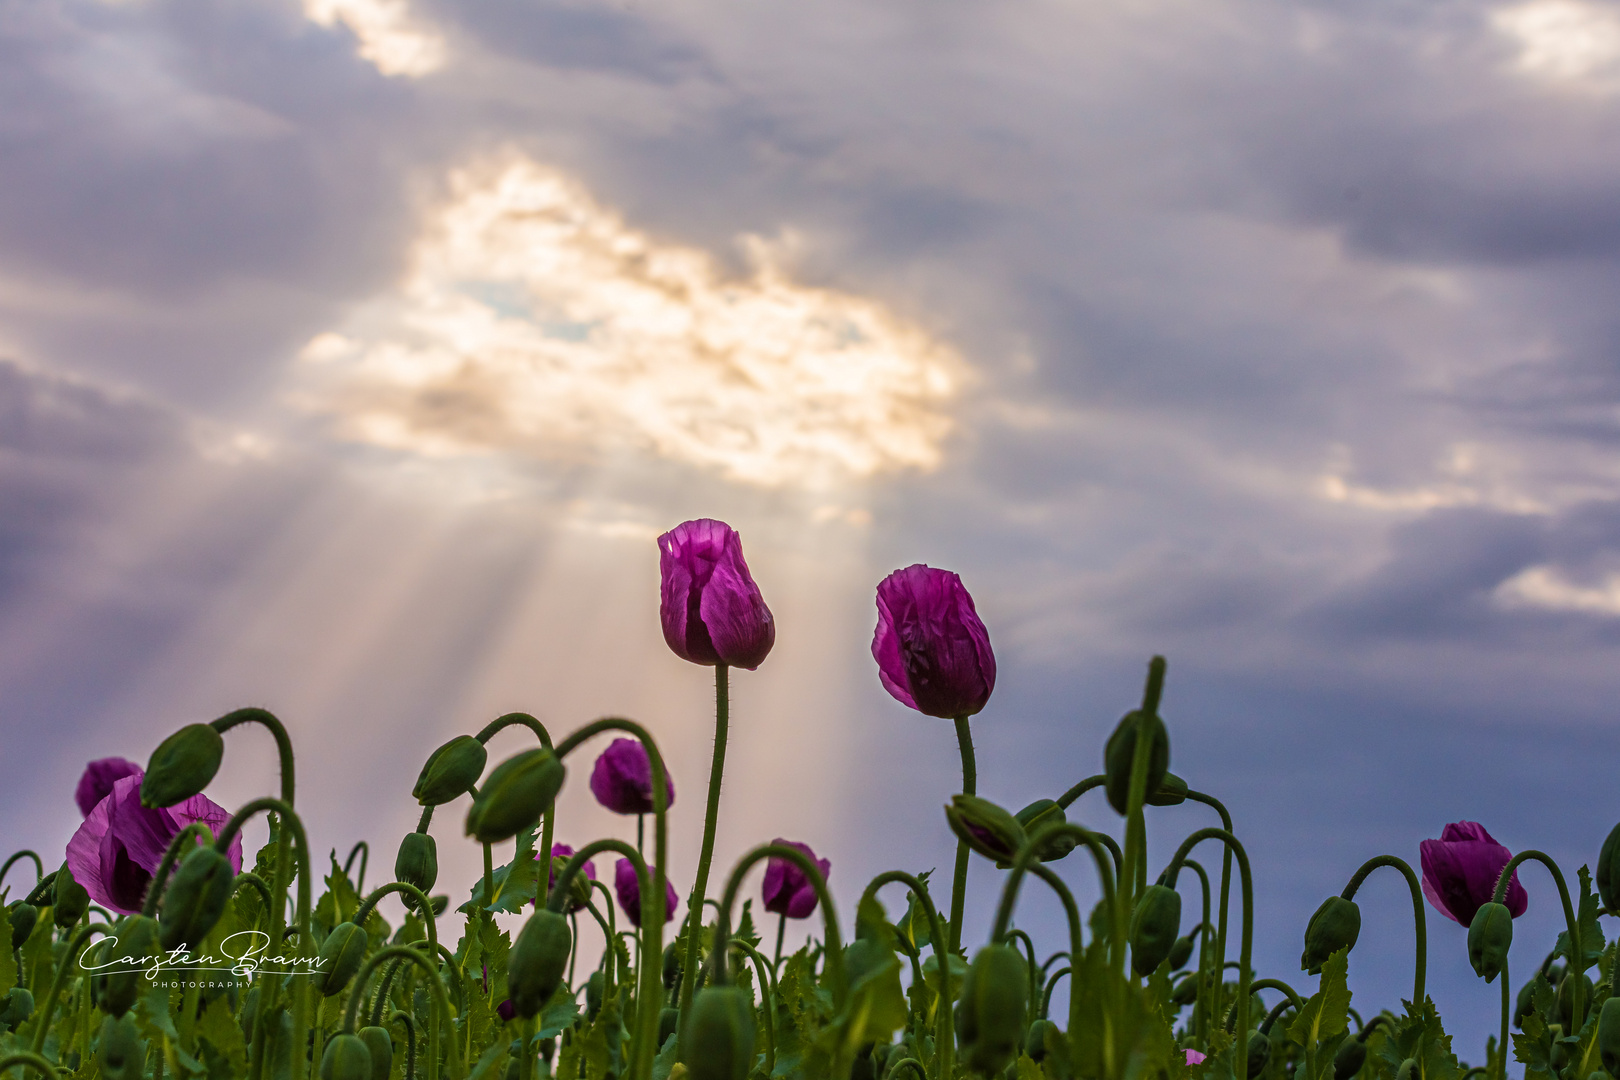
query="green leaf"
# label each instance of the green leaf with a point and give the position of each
(153, 1015)
(745, 925)
(1326, 1014)
(513, 885)
(913, 925)
(8, 966)
(492, 1063)
(223, 1050)
(665, 1061)
(1587, 922)
(559, 1014)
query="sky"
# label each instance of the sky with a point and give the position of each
(353, 354)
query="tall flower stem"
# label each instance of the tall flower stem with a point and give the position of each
(944, 1047)
(1240, 1063)
(39, 867)
(970, 784)
(1418, 915)
(441, 1003)
(717, 768)
(1141, 760)
(500, 723)
(1226, 874)
(1576, 958)
(1507, 1011)
(1205, 934)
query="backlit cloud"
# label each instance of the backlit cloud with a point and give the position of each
(390, 36)
(1565, 41)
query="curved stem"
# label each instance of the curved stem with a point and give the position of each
(31, 1059)
(834, 942)
(944, 1042)
(1206, 933)
(39, 867)
(410, 892)
(154, 892)
(435, 987)
(1577, 957)
(970, 785)
(254, 882)
(70, 960)
(1240, 1064)
(1080, 789)
(362, 849)
(907, 1063)
(1226, 871)
(380, 1002)
(767, 991)
(1277, 984)
(513, 718)
(1016, 934)
(1419, 916)
(1131, 882)
(1072, 911)
(1046, 995)
(410, 1041)
(283, 742)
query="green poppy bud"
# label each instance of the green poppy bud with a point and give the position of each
(381, 1048)
(1035, 1043)
(1172, 791)
(119, 1051)
(69, 900)
(182, 765)
(196, 898)
(1608, 871)
(1350, 1057)
(23, 918)
(438, 904)
(339, 960)
(1335, 926)
(668, 1020)
(717, 1040)
(1409, 1070)
(1259, 1052)
(865, 1068)
(672, 965)
(539, 957)
(19, 1006)
(594, 988)
(1038, 815)
(450, 772)
(1154, 926)
(985, 827)
(1489, 936)
(515, 795)
(418, 860)
(1185, 992)
(1120, 752)
(137, 941)
(990, 1017)
(1559, 1056)
(1566, 997)
(346, 1058)
(1181, 952)
(1608, 1035)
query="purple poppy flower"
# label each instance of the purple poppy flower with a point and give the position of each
(787, 888)
(564, 852)
(118, 848)
(506, 1010)
(1194, 1057)
(932, 651)
(711, 609)
(628, 887)
(1460, 871)
(98, 780)
(622, 779)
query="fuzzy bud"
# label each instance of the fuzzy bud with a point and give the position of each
(1351, 1056)
(120, 1051)
(717, 1040)
(990, 1018)
(985, 827)
(381, 1047)
(1335, 926)
(137, 940)
(1172, 791)
(1608, 1035)
(450, 771)
(1037, 816)
(418, 861)
(23, 918)
(517, 792)
(1120, 753)
(341, 955)
(1154, 926)
(347, 1058)
(196, 898)
(182, 765)
(69, 900)
(538, 960)
(1489, 936)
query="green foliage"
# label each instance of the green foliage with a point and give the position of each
(514, 885)
(1327, 1013)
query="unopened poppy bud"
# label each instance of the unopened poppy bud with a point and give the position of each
(1259, 1052)
(69, 900)
(594, 988)
(515, 795)
(119, 1051)
(137, 940)
(341, 955)
(1154, 926)
(1185, 992)
(182, 765)
(1608, 871)
(672, 965)
(1037, 816)
(668, 1020)
(538, 960)
(1409, 1070)
(1181, 952)
(990, 1018)
(195, 898)
(418, 861)
(1489, 936)
(1566, 997)
(19, 1006)
(1608, 1035)
(438, 904)
(450, 771)
(1172, 791)
(1350, 1057)
(381, 1047)
(1335, 926)
(347, 1058)
(1120, 753)
(985, 827)
(23, 918)
(717, 1040)
(1035, 1043)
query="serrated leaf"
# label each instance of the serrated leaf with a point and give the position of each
(1327, 1013)
(153, 1014)
(218, 1030)
(514, 885)
(913, 925)
(1587, 921)
(559, 1014)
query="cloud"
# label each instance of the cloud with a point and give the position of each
(389, 34)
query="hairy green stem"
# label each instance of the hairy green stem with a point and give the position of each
(1577, 957)
(1419, 916)
(1240, 1064)
(944, 1041)
(970, 785)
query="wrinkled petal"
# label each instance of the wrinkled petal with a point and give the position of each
(628, 888)
(932, 650)
(98, 780)
(84, 859)
(710, 608)
(1460, 871)
(622, 779)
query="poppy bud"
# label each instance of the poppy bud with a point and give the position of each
(19, 1007)
(341, 955)
(668, 1020)
(1120, 753)
(1566, 999)
(672, 965)
(1409, 1070)
(70, 900)
(1037, 816)
(450, 771)
(23, 918)
(1259, 1052)
(1186, 991)
(1489, 936)
(1181, 952)
(985, 827)
(1035, 1041)
(594, 987)
(381, 1048)
(137, 939)
(1335, 926)
(438, 904)
(1559, 1056)
(515, 795)
(1172, 791)
(538, 959)
(1608, 1035)
(1154, 926)
(195, 898)
(120, 1051)
(182, 765)
(346, 1058)
(990, 1017)
(717, 1040)
(1351, 1056)
(1608, 871)
(418, 860)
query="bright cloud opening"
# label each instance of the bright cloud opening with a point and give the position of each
(390, 37)
(535, 321)
(1543, 587)
(1565, 41)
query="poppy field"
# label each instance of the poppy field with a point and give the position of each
(155, 947)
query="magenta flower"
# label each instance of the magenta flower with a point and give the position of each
(932, 651)
(711, 609)
(1460, 871)
(1194, 1057)
(98, 780)
(628, 887)
(563, 851)
(787, 888)
(622, 779)
(118, 848)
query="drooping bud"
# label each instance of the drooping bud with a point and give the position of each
(1120, 752)
(672, 965)
(515, 795)
(1566, 997)
(1335, 926)
(19, 1006)
(1154, 926)
(985, 827)
(69, 900)
(182, 765)
(1608, 1035)
(1185, 992)
(1035, 1043)
(668, 1020)
(195, 898)
(450, 771)
(1409, 1070)
(1259, 1052)
(1037, 816)
(539, 957)
(717, 1040)
(595, 986)
(1489, 936)
(990, 1017)
(438, 904)
(1351, 1056)
(23, 918)
(1608, 871)
(347, 1058)
(120, 1052)
(341, 955)
(381, 1047)
(418, 860)
(1181, 952)
(137, 940)
(1172, 791)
